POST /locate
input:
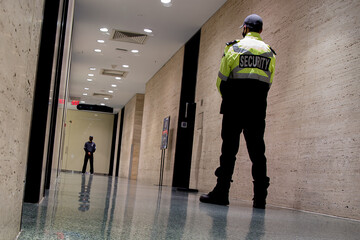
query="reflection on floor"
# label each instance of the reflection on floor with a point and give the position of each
(99, 207)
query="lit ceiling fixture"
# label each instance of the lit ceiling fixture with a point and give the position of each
(86, 88)
(82, 101)
(106, 98)
(85, 94)
(166, 3)
(113, 85)
(134, 51)
(125, 66)
(92, 69)
(104, 29)
(102, 104)
(97, 50)
(90, 75)
(100, 41)
(147, 30)
(89, 80)
(110, 91)
(118, 78)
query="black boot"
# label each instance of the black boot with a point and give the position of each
(214, 198)
(260, 193)
(220, 194)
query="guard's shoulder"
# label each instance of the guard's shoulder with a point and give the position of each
(231, 43)
(272, 50)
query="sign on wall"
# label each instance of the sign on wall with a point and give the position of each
(165, 133)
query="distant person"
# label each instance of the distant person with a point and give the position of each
(89, 148)
(245, 76)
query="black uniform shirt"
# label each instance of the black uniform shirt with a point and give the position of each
(90, 147)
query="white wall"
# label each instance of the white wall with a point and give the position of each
(79, 126)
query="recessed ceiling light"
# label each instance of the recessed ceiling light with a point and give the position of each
(166, 3)
(89, 80)
(104, 29)
(113, 85)
(100, 41)
(86, 88)
(92, 69)
(82, 101)
(125, 66)
(118, 78)
(85, 94)
(106, 98)
(110, 91)
(97, 50)
(90, 75)
(134, 51)
(102, 104)
(147, 30)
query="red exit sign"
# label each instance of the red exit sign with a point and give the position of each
(75, 103)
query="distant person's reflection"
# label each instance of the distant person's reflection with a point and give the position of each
(84, 194)
(218, 215)
(257, 225)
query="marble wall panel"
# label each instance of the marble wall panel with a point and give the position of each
(162, 99)
(20, 28)
(130, 143)
(313, 117)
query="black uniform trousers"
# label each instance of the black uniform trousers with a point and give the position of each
(86, 158)
(244, 111)
(232, 126)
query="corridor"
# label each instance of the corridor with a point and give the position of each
(101, 207)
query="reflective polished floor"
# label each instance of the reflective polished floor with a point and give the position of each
(100, 207)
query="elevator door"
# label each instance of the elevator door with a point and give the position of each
(187, 109)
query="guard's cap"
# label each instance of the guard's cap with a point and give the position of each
(90, 136)
(253, 21)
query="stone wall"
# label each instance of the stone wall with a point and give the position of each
(313, 117)
(130, 143)
(162, 99)
(20, 27)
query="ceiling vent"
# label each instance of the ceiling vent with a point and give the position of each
(72, 98)
(113, 73)
(121, 49)
(130, 37)
(102, 95)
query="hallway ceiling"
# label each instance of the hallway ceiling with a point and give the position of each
(172, 27)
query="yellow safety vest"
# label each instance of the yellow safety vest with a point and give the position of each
(249, 58)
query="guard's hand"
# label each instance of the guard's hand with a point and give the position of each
(89, 153)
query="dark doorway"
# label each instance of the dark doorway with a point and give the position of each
(119, 145)
(52, 115)
(187, 108)
(48, 53)
(111, 167)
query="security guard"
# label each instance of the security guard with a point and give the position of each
(89, 148)
(245, 76)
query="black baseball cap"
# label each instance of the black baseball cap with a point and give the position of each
(253, 21)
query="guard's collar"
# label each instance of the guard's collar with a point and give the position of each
(253, 35)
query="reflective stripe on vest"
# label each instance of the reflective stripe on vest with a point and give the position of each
(222, 76)
(253, 66)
